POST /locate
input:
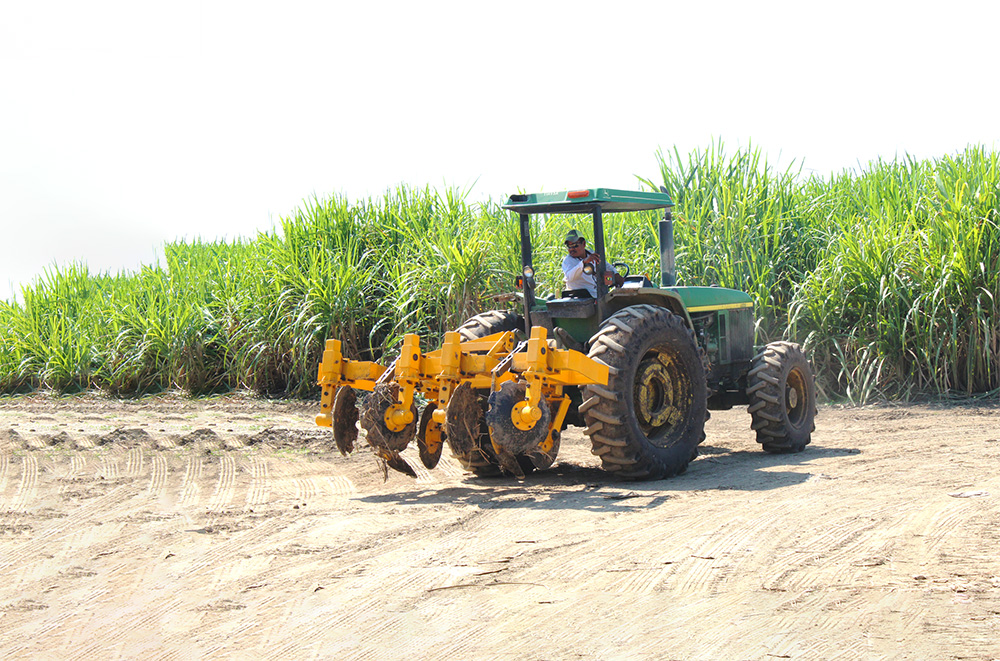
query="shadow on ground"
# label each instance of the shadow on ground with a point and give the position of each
(568, 485)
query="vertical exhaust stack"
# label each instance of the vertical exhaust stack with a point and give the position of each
(668, 274)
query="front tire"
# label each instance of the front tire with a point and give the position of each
(782, 394)
(648, 421)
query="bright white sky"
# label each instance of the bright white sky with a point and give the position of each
(127, 124)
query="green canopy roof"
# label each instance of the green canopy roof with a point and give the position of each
(583, 201)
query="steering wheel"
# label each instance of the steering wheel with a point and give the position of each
(622, 265)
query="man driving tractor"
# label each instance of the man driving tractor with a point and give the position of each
(580, 283)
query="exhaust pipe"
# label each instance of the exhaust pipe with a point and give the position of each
(668, 276)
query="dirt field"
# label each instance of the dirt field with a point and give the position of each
(166, 529)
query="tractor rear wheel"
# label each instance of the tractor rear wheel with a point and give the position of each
(648, 421)
(481, 460)
(782, 394)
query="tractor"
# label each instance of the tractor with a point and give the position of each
(639, 367)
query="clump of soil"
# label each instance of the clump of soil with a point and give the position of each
(127, 437)
(278, 437)
(62, 438)
(201, 435)
(10, 438)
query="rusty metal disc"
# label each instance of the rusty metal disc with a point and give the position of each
(503, 433)
(345, 419)
(463, 420)
(373, 412)
(430, 437)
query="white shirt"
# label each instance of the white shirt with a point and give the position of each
(577, 279)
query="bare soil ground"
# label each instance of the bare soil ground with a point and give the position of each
(231, 528)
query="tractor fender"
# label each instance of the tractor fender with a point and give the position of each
(622, 298)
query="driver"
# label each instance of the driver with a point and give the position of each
(580, 284)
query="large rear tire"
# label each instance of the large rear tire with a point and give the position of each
(782, 394)
(481, 460)
(648, 421)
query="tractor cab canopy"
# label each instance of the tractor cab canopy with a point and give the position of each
(594, 202)
(609, 200)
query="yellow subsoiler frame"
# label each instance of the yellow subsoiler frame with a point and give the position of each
(526, 406)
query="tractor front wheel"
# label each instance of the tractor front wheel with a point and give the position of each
(648, 421)
(782, 394)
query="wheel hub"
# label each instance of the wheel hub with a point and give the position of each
(654, 394)
(793, 398)
(795, 389)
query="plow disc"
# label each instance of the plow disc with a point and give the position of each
(510, 442)
(463, 420)
(386, 442)
(430, 437)
(503, 431)
(345, 419)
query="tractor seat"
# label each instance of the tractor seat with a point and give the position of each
(574, 304)
(576, 293)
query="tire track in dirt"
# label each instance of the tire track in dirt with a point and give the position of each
(341, 485)
(710, 561)
(225, 486)
(157, 475)
(29, 482)
(24, 643)
(260, 484)
(4, 471)
(404, 564)
(123, 544)
(134, 462)
(105, 507)
(306, 488)
(241, 543)
(109, 467)
(625, 562)
(190, 489)
(449, 466)
(948, 517)
(118, 509)
(353, 573)
(632, 559)
(823, 616)
(302, 635)
(424, 476)
(300, 482)
(845, 537)
(77, 464)
(138, 620)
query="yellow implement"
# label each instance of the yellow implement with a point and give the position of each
(514, 387)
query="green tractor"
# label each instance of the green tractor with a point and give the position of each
(638, 366)
(673, 352)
